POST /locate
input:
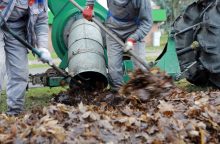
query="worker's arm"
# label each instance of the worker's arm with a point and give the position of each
(145, 19)
(42, 30)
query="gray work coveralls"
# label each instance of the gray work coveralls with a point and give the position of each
(127, 19)
(30, 23)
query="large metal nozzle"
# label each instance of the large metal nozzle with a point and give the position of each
(86, 54)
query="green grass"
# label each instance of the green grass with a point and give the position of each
(164, 39)
(159, 49)
(35, 97)
(151, 58)
(185, 85)
(38, 66)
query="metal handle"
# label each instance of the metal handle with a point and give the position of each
(118, 40)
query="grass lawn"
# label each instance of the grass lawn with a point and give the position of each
(185, 85)
(150, 58)
(38, 66)
(35, 97)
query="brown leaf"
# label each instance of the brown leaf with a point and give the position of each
(13, 130)
(82, 108)
(105, 124)
(127, 111)
(166, 108)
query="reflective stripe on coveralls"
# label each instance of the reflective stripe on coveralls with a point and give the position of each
(2, 61)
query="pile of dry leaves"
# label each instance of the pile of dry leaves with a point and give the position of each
(150, 110)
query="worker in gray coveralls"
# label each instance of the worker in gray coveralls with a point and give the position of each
(131, 21)
(29, 19)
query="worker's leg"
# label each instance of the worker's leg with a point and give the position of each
(115, 54)
(140, 50)
(2, 60)
(17, 71)
(215, 79)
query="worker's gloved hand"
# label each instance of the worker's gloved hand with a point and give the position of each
(129, 45)
(88, 12)
(45, 56)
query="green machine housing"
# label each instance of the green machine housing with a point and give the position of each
(64, 14)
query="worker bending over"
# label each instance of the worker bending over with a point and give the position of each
(29, 19)
(131, 21)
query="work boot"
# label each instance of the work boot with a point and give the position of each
(13, 113)
(215, 80)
